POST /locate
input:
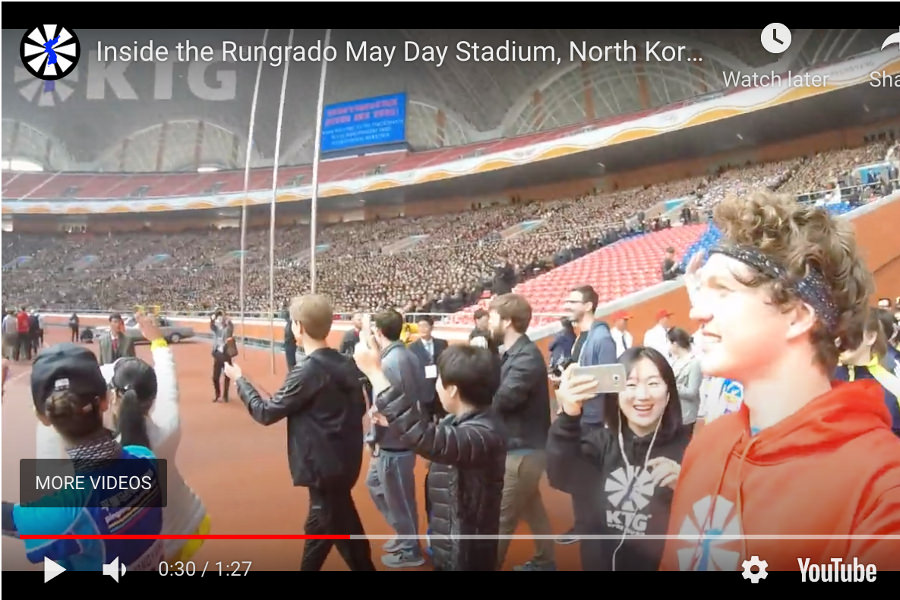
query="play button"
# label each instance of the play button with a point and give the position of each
(51, 569)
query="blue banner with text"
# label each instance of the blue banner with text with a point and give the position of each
(366, 122)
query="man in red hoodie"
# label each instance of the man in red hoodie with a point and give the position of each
(808, 468)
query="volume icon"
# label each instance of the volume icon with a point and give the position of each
(113, 569)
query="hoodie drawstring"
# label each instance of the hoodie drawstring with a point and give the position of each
(740, 495)
(707, 520)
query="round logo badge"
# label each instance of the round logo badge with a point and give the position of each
(50, 52)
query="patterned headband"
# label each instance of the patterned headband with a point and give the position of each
(812, 288)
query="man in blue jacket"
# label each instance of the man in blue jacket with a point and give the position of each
(594, 346)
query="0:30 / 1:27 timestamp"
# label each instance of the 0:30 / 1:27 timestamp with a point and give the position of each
(233, 568)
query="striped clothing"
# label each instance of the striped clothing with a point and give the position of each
(79, 512)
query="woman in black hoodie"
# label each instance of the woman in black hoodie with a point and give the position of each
(622, 477)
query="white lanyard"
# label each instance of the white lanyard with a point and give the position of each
(629, 489)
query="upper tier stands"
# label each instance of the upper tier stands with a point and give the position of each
(444, 272)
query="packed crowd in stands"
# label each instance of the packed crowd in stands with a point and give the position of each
(829, 169)
(449, 269)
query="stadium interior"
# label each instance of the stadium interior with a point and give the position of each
(126, 187)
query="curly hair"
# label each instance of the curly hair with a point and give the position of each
(801, 237)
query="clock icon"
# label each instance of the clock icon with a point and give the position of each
(776, 38)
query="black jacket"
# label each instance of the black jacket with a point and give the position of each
(464, 483)
(504, 280)
(322, 400)
(418, 348)
(349, 342)
(588, 464)
(523, 400)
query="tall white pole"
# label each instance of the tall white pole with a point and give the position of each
(284, 79)
(315, 174)
(247, 186)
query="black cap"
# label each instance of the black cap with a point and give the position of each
(65, 366)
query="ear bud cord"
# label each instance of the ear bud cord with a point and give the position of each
(634, 477)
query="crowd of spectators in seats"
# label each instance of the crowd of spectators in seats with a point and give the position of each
(447, 270)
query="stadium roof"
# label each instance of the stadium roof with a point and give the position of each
(176, 116)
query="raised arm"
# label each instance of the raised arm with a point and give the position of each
(300, 387)
(570, 453)
(466, 446)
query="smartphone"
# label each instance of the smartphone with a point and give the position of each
(610, 377)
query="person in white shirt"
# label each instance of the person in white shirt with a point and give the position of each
(656, 336)
(40, 331)
(10, 335)
(145, 412)
(620, 335)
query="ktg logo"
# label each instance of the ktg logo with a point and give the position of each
(50, 53)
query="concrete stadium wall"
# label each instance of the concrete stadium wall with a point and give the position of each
(875, 227)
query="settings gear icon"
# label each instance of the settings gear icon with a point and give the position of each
(761, 567)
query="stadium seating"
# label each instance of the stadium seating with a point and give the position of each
(435, 264)
(614, 271)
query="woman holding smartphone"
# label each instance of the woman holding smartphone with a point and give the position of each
(622, 476)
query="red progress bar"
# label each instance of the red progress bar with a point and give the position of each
(184, 537)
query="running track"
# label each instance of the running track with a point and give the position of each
(239, 469)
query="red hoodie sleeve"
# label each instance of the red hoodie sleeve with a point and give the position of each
(882, 519)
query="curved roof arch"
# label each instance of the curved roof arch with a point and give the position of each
(708, 52)
(101, 102)
(614, 90)
(177, 145)
(21, 140)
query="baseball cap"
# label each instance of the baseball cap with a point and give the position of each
(621, 315)
(663, 313)
(65, 366)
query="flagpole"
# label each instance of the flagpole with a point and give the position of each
(284, 79)
(314, 201)
(247, 188)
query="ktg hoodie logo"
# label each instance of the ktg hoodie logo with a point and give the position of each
(707, 554)
(630, 493)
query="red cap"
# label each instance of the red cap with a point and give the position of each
(663, 313)
(621, 315)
